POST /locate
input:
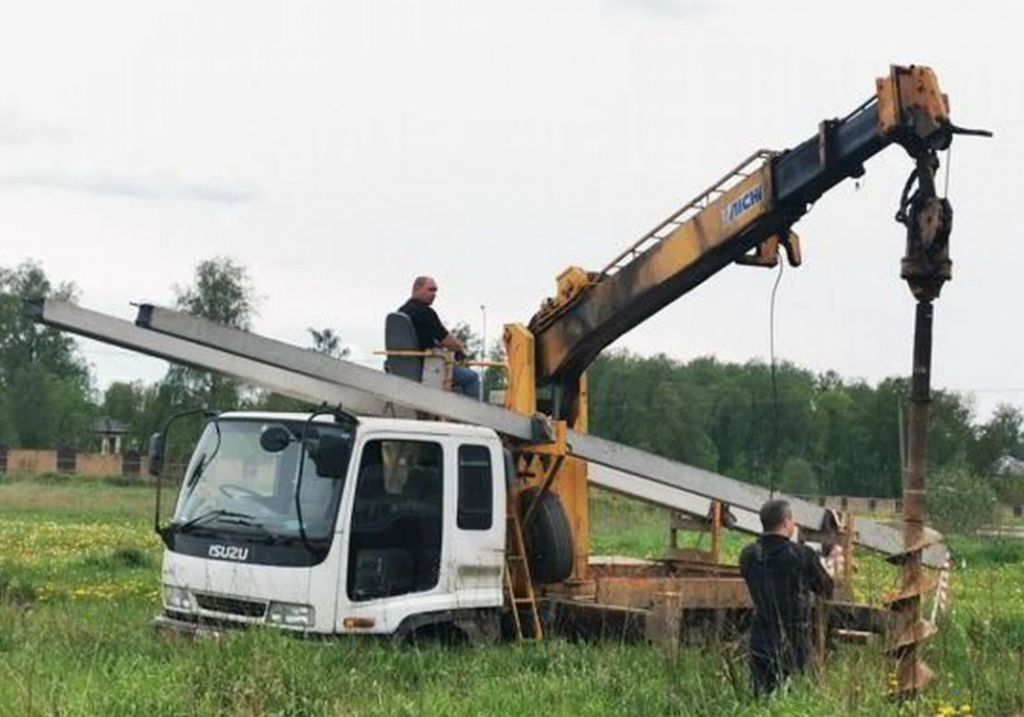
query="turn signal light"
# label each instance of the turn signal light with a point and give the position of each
(358, 623)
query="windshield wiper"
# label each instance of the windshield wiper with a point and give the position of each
(230, 517)
(268, 537)
(204, 460)
(197, 472)
(240, 518)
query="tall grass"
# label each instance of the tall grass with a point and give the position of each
(78, 578)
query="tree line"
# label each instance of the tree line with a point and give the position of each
(804, 432)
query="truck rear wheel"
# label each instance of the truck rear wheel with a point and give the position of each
(548, 538)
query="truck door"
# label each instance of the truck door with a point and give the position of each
(478, 545)
(394, 555)
(425, 530)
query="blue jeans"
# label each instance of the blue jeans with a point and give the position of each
(466, 381)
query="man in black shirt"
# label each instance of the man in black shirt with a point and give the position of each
(432, 334)
(781, 576)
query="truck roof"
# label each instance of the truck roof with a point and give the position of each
(372, 423)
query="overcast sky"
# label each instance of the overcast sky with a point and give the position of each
(337, 149)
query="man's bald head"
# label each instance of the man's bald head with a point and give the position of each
(424, 289)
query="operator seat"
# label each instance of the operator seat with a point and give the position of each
(406, 359)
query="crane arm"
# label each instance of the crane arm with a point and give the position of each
(742, 218)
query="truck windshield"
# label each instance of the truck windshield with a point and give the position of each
(233, 483)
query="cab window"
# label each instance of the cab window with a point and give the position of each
(395, 543)
(476, 489)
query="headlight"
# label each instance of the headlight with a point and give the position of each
(290, 614)
(177, 598)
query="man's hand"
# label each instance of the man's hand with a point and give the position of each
(452, 343)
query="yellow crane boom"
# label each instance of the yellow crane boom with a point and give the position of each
(743, 218)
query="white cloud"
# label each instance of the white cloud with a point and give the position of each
(339, 149)
(663, 8)
(17, 129)
(135, 187)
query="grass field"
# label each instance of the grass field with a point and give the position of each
(79, 578)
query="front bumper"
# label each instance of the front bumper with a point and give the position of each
(193, 626)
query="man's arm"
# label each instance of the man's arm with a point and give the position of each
(441, 335)
(452, 343)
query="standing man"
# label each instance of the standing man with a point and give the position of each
(781, 576)
(432, 334)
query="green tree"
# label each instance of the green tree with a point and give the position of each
(837, 444)
(950, 434)
(1000, 436)
(496, 377)
(45, 384)
(732, 429)
(651, 403)
(221, 292)
(816, 434)
(1009, 489)
(122, 401)
(959, 502)
(328, 341)
(142, 408)
(469, 338)
(799, 478)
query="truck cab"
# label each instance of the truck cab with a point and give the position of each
(327, 525)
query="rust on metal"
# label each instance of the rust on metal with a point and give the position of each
(663, 624)
(711, 524)
(926, 538)
(924, 585)
(912, 677)
(910, 636)
(694, 592)
(849, 567)
(926, 267)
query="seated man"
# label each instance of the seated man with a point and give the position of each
(432, 334)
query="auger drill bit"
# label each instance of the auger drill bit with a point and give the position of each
(926, 267)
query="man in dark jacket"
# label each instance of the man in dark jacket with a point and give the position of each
(781, 575)
(431, 333)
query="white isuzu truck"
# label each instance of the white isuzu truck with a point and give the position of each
(328, 523)
(334, 524)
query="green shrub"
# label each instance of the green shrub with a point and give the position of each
(1009, 489)
(959, 502)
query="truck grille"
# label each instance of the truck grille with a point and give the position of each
(231, 606)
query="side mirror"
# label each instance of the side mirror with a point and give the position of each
(330, 456)
(156, 453)
(275, 439)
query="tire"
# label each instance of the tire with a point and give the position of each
(548, 539)
(442, 633)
